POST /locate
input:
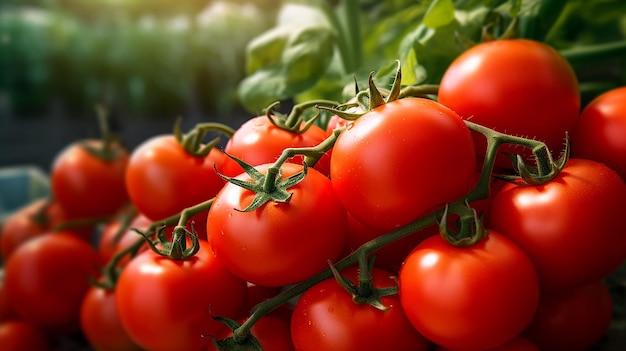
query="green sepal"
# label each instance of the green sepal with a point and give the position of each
(237, 342)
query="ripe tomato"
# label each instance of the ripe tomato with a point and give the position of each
(100, 322)
(574, 321)
(163, 178)
(402, 160)
(258, 141)
(86, 185)
(469, 298)
(516, 86)
(272, 333)
(601, 134)
(569, 226)
(279, 243)
(21, 226)
(167, 304)
(517, 344)
(109, 244)
(46, 279)
(22, 336)
(7, 311)
(326, 318)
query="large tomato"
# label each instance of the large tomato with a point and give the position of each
(517, 344)
(573, 321)
(164, 179)
(87, 185)
(569, 226)
(601, 133)
(278, 243)
(401, 160)
(46, 279)
(326, 318)
(469, 298)
(259, 141)
(516, 86)
(100, 322)
(166, 304)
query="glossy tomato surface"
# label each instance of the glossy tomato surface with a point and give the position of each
(469, 298)
(402, 160)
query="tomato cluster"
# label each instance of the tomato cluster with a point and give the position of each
(403, 228)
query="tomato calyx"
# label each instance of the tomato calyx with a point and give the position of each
(545, 170)
(295, 122)
(364, 291)
(110, 145)
(267, 187)
(192, 140)
(242, 339)
(468, 230)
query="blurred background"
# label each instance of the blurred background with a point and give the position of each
(147, 62)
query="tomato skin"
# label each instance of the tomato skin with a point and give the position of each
(601, 133)
(86, 185)
(159, 173)
(46, 279)
(279, 243)
(271, 331)
(107, 244)
(518, 344)
(567, 226)
(178, 298)
(326, 318)
(543, 105)
(574, 321)
(19, 227)
(387, 175)
(258, 141)
(22, 336)
(472, 298)
(100, 322)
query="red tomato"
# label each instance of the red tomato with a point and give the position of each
(601, 134)
(326, 318)
(167, 304)
(279, 243)
(7, 310)
(573, 321)
(469, 298)
(258, 141)
(163, 178)
(569, 226)
(21, 226)
(402, 160)
(271, 332)
(517, 344)
(100, 322)
(86, 185)
(22, 336)
(46, 279)
(519, 87)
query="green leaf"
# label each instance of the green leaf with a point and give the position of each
(262, 88)
(307, 53)
(440, 13)
(409, 68)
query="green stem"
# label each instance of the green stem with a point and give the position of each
(537, 25)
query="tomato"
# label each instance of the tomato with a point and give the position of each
(271, 332)
(258, 141)
(569, 226)
(46, 279)
(7, 311)
(100, 322)
(21, 226)
(279, 243)
(163, 178)
(469, 298)
(601, 133)
(86, 185)
(517, 344)
(167, 304)
(573, 321)
(326, 318)
(22, 336)
(516, 86)
(402, 160)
